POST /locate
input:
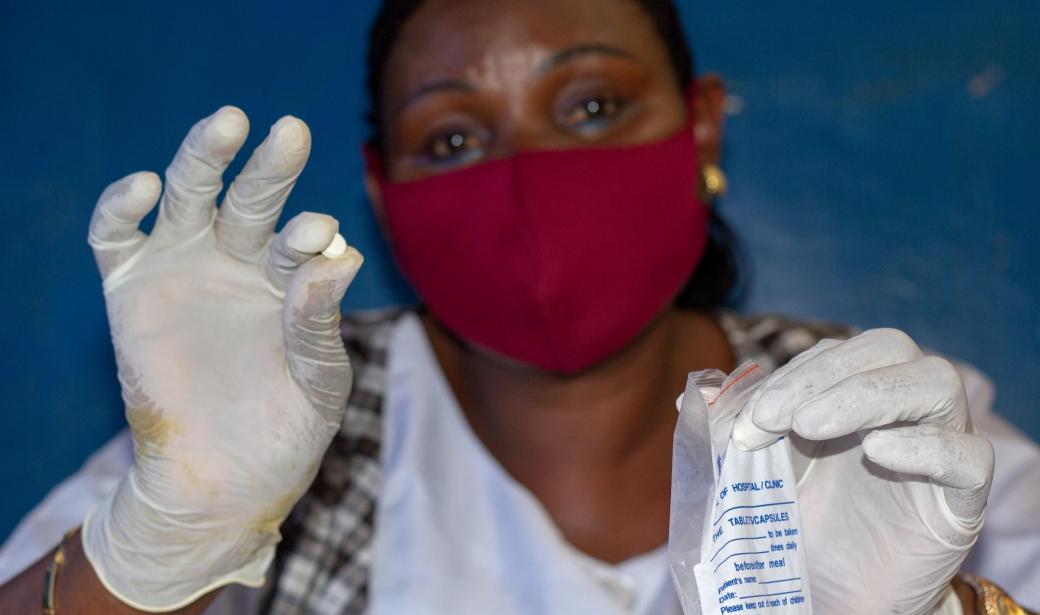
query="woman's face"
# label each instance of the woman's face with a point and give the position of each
(469, 81)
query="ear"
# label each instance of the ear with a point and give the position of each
(708, 117)
(375, 198)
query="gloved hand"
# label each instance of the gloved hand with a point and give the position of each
(893, 478)
(229, 354)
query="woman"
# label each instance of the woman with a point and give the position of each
(535, 165)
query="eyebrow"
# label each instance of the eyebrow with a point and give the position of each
(555, 60)
(440, 85)
(571, 53)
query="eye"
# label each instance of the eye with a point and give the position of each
(593, 113)
(453, 147)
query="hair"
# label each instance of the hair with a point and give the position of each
(720, 278)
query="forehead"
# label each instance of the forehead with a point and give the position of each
(491, 41)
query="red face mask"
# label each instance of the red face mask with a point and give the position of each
(553, 258)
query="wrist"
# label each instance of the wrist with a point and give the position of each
(157, 559)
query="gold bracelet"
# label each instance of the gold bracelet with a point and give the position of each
(50, 578)
(990, 599)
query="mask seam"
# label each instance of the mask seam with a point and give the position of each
(538, 255)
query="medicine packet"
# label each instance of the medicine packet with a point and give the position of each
(735, 542)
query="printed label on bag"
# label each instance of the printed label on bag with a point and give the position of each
(754, 559)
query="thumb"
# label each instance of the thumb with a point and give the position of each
(314, 349)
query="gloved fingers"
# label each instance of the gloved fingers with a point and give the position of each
(194, 178)
(255, 199)
(962, 463)
(303, 237)
(310, 319)
(114, 234)
(769, 413)
(745, 433)
(928, 389)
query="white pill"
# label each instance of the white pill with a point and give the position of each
(336, 248)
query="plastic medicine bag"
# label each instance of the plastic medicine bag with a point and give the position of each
(735, 541)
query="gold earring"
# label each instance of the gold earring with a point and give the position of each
(713, 182)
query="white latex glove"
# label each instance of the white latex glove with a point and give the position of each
(232, 368)
(893, 478)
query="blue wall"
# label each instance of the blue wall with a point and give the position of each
(880, 171)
